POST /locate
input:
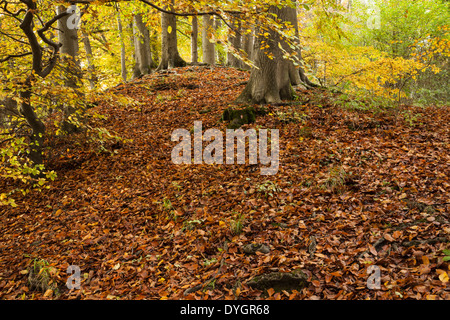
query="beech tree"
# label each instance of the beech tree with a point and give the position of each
(208, 47)
(44, 54)
(143, 55)
(235, 39)
(89, 58)
(170, 57)
(194, 40)
(68, 39)
(123, 66)
(271, 80)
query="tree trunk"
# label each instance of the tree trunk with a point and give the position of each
(301, 78)
(235, 40)
(294, 74)
(142, 51)
(194, 40)
(122, 48)
(170, 57)
(69, 47)
(271, 81)
(304, 78)
(37, 126)
(91, 68)
(68, 37)
(247, 46)
(39, 69)
(209, 55)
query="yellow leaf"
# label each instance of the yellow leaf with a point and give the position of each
(48, 293)
(443, 276)
(169, 29)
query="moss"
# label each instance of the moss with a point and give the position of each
(294, 280)
(239, 117)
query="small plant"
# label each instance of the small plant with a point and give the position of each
(180, 93)
(191, 224)
(211, 285)
(167, 206)
(40, 276)
(291, 117)
(237, 225)
(268, 188)
(305, 132)
(160, 98)
(336, 180)
(177, 185)
(307, 182)
(447, 254)
(208, 262)
(411, 118)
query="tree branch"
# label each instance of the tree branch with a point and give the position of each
(19, 55)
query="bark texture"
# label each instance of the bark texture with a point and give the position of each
(194, 40)
(170, 57)
(271, 81)
(235, 40)
(41, 69)
(91, 68)
(68, 38)
(69, 50)
(143, 55)
(123, 66)
(209, 54)
(247, 46)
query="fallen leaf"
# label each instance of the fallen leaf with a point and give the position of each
(443, 276)
(48, 293)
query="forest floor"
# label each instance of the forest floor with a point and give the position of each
(354, 188)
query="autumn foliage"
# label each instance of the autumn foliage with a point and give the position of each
(356, 187)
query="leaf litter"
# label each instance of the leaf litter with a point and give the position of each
(354, 188)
